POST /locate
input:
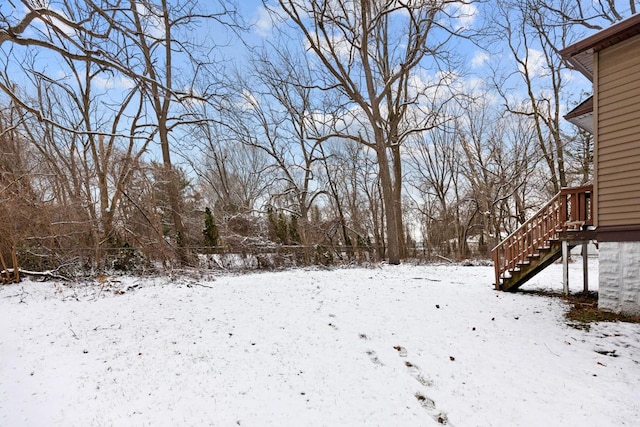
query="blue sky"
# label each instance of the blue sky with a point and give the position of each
(477, 63)
(476, 70)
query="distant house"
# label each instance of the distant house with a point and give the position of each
(609, 210)
(611, 60)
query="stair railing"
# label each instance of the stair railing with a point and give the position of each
(577, 207)
(570, 209)
(525, 240)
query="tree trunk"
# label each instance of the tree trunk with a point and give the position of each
(397, 202)
(393, 249)
(171, 182)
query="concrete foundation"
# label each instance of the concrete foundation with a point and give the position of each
(620, 277)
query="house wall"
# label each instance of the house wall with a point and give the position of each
(617, 157)
(617, 180)
(619, 277)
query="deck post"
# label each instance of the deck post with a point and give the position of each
(585, 266)
(565, 267)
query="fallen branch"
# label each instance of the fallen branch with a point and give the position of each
(46, 274)
(200, 284)
(450, 261)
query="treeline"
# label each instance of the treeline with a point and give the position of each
(129, 141)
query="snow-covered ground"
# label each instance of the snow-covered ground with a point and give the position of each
(387, 346)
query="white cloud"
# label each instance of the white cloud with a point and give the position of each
(247, 101)
(464, 14)
(535, 63)
(263, 23)
(60, 75)
(476, 86)
(568, 76)
(109, 82)
(268, 17)
(335, 46)
(479, 59)
(151, 20)
(52, 22)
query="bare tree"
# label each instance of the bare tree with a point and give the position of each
(356, 201)
(371, 62)
(232, 174)
(577, 17)
(277, 115)
(532, 41)
(535, 30)
(593, 15)
(147, 44)
(158, 36)
(233, 177)
(19, 203)
(581, 156)
(499, 165)
(434, 166)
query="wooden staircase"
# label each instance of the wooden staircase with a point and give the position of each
(538, 242)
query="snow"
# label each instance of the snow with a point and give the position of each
(389, 346)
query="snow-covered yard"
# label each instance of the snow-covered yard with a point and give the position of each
(388, 346)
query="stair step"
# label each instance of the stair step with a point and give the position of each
(523, 264)
(533, 256)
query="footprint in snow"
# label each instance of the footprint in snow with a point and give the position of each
(430, 406)
(413, 369)
(402, 352)
(374, 358)
(425, 401)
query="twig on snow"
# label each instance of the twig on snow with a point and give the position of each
(73, 332)
(200, 284)
(555, 354)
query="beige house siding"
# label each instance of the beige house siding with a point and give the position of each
(617, 112)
